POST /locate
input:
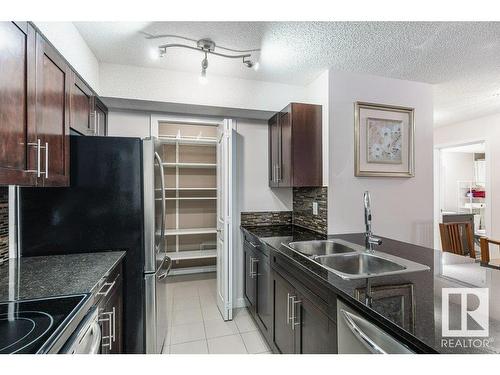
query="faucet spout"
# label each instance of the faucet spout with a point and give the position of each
(370, 240)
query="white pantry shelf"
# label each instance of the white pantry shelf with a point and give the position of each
(191, 198)
(182, 232)
(190, 165)
(195, 254)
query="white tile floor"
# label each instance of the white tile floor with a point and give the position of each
(196, 325)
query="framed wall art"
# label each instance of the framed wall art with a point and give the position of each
(384, 140)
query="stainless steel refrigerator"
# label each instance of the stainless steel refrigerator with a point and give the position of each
(115, 201)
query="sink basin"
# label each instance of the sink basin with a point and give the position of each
(358, 265)
(325, 247)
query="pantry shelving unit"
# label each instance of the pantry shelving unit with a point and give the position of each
(190, 165)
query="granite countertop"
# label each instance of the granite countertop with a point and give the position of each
(410, 305)
(54, 275)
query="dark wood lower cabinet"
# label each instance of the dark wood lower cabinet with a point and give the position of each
(294, 312)
(283, 335)
(111, 314)
(263, 307)
(315, 332)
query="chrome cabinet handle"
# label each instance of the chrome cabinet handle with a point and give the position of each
(360, 335)
(252, 271)
(253, 245)
(288, 309)
(95, 122)
(38, 146)
(109, 285)
(111, 320)
(251, 268)
(294, 303)
(114, 324)
(46, 160)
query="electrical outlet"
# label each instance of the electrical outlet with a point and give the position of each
(315, 208)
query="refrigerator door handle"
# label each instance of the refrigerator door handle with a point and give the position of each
(163, 208)
(168, 263)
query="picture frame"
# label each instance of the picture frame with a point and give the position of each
(384, 140)
(395, 301)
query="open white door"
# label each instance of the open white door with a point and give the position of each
(225, 165)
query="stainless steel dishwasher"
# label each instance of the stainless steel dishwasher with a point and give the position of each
(356, 335)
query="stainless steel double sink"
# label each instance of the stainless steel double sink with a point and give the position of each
(351, 261)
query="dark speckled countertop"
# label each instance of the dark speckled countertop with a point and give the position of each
(54, 275)
(409, 305)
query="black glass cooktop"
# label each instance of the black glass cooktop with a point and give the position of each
(32, 326)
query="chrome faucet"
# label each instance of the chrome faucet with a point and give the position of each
(370, 240)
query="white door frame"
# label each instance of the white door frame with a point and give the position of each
(438, 194)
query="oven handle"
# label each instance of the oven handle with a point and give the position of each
(96, 329)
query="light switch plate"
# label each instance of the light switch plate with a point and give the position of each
(315, 208)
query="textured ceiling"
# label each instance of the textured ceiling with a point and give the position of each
(461, 59)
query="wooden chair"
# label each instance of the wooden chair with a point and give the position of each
(457, 238)
(485, 248)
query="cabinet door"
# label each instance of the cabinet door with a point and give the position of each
(250, 280)
(101, 121)
(283, 335)
(81, 102)
(263, 292)
(273, 151)
(315, 333)
(52, 114)
(17, 121)
(285, 169)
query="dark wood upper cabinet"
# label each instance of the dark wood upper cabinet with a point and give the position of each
(53, 82)
(295, 146)
(88, 114)
(81, 101)
(40, 98)
(17, 118)
(101, 118)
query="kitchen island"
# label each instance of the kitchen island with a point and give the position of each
(406, 305)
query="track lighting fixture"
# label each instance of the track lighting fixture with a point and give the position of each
(207, 46)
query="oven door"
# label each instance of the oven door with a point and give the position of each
(87, 337)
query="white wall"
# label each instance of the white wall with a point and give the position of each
(402, 207)
(162, 85)
(485, 129)
(317, 92)
(128, 124)
(455, 166)
(68, 41)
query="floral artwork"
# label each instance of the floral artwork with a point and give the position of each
(384, 141)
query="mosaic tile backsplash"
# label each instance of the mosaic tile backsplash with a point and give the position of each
(302, 214)
(266, 218)
(4, 224)
(303, 199)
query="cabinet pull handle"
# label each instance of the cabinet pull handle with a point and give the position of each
(109, 285)
(294, 303)
(46, 160)
(37, 145)
(95, 122)
(114, 324)
(288, 309)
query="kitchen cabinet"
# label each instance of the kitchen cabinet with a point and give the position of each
(110, 312)
(283, 332)
(82, 103)
(295, 146)
(257, 286)
(53, 80)
(250, 279)
(40, 98)
(17, 117)
(88, 113)
(300, 326)
(101, 118)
